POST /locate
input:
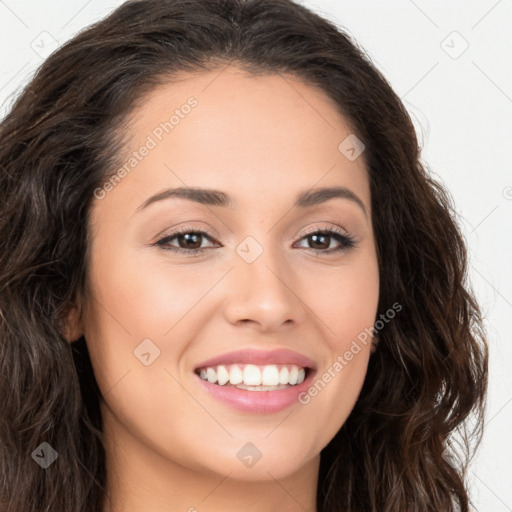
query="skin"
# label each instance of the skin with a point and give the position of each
(170, 445)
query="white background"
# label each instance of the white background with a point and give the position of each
(461, 104)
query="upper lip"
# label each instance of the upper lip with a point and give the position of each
(259, 357)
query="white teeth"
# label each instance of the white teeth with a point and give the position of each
(294, 375)
(249, 376)
(252, 375)
(270, 376)
(261, 388)
(222, 375)
(284, 375)
(211, 375)
(235, 375)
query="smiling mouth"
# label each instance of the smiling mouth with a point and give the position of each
(250, 377)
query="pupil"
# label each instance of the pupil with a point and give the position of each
(188, 236)
(315, 240)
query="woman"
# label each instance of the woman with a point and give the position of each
(315, 348)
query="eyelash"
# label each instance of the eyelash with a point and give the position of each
(346, 242)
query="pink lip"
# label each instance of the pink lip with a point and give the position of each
(260, 402)
(260, 357)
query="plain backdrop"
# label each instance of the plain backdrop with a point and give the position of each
(451, 63)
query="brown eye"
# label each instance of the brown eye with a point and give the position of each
(321, 240)
(189, 241)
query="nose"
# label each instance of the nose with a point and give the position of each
(264, 293)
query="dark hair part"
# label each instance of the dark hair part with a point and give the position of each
(60, 141)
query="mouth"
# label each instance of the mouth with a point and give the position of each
(257, 381)
(252, 377)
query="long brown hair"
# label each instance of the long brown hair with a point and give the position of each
(428, 376)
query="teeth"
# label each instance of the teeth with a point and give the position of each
(270, 376)
(250, 376)
(222, 375)
(262, 388)
(284, 375)
(235, 375)
(211, 375)
(294, 375)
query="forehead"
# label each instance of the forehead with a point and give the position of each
(266, 136)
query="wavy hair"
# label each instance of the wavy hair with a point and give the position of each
(61, 139)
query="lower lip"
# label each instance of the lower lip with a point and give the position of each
(261, 402)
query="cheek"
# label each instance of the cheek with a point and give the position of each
(133, 300)
(132, 306)
(146, 297)
(345, 300)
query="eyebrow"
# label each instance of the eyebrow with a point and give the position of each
(213, 197)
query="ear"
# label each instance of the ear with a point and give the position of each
(72, 328)
(375, 342)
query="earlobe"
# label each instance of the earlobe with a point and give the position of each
(375, 342)
(72, 328)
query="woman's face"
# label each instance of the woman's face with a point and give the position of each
(265, 295)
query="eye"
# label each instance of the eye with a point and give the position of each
(190, 240)
(322, 238)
